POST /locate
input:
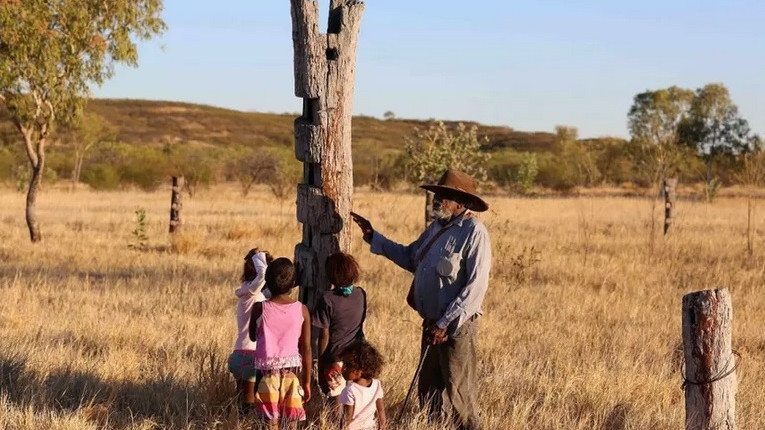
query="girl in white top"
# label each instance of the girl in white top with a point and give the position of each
(362, 397)
(241, 361)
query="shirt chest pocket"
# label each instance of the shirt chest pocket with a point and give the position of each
(448, 266)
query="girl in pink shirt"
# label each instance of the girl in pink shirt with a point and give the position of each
(241, 362)
(283, 355)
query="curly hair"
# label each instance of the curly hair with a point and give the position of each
(280, 276)
(342, 269)
(364, 357)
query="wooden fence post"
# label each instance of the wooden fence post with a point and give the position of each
(710, 366)
(670, 194)
(324, 74)
(176, 205)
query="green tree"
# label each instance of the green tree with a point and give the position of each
(577, 161)
(715, 129)
(88, 130)
(613, 160)
(50, 55)
(434, 150)
(199, 165)
(274, 167)
(525, 177)
(654, 121)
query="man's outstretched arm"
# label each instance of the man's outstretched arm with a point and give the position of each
(402, 255)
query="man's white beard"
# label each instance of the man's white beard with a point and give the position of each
(441, 214)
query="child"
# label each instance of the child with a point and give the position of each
(283, 355)
(339, 314)
(241, 362)
(362, 398)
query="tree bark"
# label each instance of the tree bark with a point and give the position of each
(324, 75)
(710, 378)
(37, 161)
(670, 195)
(428, 207)
(176, 204)
(31, 210)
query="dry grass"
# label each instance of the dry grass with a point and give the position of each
(580, 332)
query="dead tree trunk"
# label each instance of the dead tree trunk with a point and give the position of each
(428, 207)
(324, 75)
(176, 205)
(710, 378)
(670, 194)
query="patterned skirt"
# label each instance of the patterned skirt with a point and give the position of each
(279, 396)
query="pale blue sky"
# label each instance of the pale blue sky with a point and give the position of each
(528, 65)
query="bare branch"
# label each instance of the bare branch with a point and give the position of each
(51, 111)
(41, 150)
(38, 104)
(44, 128)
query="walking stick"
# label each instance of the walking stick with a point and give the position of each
(414, 379)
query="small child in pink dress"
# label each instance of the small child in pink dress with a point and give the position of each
(283, 354)
(362, 397)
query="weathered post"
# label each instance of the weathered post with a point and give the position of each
(670, 194)
(324, 74)
(429, 197)
(176, 205)
(710, 378)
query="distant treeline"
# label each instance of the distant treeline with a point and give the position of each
(127, 143)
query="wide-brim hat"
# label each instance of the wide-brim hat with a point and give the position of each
(460, 187)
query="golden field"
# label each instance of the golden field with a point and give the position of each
(581, 327)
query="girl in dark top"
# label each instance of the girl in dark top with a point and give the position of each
(339, 314)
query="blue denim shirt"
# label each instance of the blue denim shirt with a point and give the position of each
(452, 279)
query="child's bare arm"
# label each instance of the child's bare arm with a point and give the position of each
(382, 422)
(257, 311)
(323, 340)
(347, 415)
(305, 353)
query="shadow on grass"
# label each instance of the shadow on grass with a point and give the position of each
(167, 401)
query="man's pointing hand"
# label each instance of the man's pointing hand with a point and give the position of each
(364, 225)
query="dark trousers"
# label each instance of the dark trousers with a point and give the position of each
(447, 381)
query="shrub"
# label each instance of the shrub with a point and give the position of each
(391, 172)
(199, 165)
(145, 167)
(381, 171)
(556, 173)
(141, 239)
(250, 167)
(60, 163)
(440, 147)
(526, 175)
(7, 163)
(101, 177)
(613, 160)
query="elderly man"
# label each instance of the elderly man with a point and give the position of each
(451, 261)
